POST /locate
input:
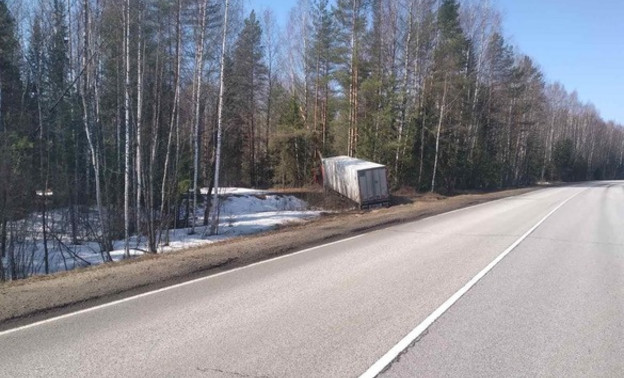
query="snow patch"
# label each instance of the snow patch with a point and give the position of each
(241, 212)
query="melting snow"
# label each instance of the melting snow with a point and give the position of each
(241, 212)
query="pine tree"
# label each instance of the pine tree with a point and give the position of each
(323, 55)
(351, 21)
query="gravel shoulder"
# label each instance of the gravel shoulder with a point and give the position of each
(37, 298)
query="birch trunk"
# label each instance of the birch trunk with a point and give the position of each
(214, 224)
(172, 121)
(126, 48)
(88, 120)
(44, 165)
(403, 116)
(423, 115)
(139, 127)
(439, 129)
(149, 193)
(199, 65)
(549, 142)
(352, 85)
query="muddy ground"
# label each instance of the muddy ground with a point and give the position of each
(40, 297)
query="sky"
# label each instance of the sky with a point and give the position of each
(579, 43)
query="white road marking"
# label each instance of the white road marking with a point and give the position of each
(109, 304)
(387, 358)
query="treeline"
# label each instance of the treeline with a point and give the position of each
(114, 104)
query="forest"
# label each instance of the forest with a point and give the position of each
(129, 107)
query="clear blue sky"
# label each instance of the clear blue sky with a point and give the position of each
(579, 43)
(281, 8)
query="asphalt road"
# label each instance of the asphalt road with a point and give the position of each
(553, 306)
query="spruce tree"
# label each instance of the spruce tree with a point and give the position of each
(494, 113)
(15, 144)
(323, 56)
(248, 80)
(449, 86)
(351, 20)
(10, 82)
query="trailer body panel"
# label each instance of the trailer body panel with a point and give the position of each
(362, 181)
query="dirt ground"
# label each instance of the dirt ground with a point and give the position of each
(45, 296)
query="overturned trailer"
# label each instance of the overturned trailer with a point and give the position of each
(362, 181)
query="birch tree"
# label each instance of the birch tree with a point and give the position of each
(214, 223)
(200, 36)
(89, 94)
(127, 139)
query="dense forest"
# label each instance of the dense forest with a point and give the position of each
(118, 105)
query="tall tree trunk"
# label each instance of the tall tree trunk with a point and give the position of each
(422, 142)
(252, 116)
(75, 189)
(437, 144)
(403, 115)
(90, 106)
(306, 73)
(199, 65)
(473, 127)
(44, 163)
(507, 147)
(214, 223)
(174, 115)
(270, 46)
(316, 88)
(325, 115)
(353, 83)
(149, 195)
(126, 46)
(139, 126)
(549, 142)
(269, 109)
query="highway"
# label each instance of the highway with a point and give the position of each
(531, 285)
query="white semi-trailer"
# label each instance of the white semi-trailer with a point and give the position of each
(362, 181)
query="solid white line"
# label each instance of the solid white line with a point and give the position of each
(387, 358)
(109, 304)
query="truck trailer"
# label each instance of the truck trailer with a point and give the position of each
(362, 181)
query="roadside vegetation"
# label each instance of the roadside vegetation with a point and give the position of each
(111, 110)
